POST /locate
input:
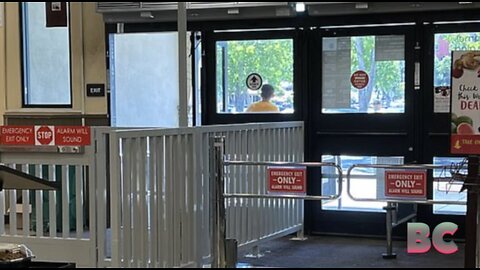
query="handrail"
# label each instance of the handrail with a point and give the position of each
(397, 166)
(287, 164)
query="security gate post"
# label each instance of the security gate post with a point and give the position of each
(217, 203)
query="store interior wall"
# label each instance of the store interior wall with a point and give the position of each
(88, 66)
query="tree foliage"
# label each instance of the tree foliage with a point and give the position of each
(386, 78)
(272, 59)
(445, 44)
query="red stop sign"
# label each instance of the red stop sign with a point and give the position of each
(44, 135)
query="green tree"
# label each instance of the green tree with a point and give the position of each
(386, 78)
(363, 58)
(272, 59)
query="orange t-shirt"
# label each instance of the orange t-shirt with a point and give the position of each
(262, 106)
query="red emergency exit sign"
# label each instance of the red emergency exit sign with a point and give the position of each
(287, 179)
(17, 135)
(406, 184)
(45, 135)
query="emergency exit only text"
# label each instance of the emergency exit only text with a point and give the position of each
(405, 184)
(287, 179)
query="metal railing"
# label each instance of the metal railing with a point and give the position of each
(64, 219)
(288, 164)
(220, 243)
(157, 205)
(253, 221)
(401, 167)
(392, 203)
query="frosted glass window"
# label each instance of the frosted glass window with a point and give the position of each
(144, 80)
(46, 59)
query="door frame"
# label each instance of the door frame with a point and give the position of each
(209, 111)
(331, 129)
(436, 131)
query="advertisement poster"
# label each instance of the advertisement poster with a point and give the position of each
(465, 103)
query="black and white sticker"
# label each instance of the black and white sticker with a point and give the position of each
(254, 81)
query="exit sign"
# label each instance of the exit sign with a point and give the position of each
(95, 90)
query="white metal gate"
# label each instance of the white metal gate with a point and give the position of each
(159, 197)
(140, 198)
(55, 225)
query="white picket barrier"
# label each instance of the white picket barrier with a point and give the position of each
(254, 220)
(56, 225)
(159, 192)
(140, 197)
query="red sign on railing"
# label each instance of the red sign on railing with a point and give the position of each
(17, 135)
(406, 184)
(72, 135)
(287, 180)
(45, 135)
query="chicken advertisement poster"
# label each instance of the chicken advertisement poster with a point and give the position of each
(465, 103)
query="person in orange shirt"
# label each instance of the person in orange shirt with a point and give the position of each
(265, 105)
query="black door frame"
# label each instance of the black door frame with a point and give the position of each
(328, 134)
(432, 139)
(306, 47)
(303, 82)
(209, 111)
(436, 128)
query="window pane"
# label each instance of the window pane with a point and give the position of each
(271, 59)
(144, 79)
(366, 183)
(46, 59)
(363, 74)
(444, 45)
(446, 189)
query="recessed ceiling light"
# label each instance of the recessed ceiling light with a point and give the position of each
(300, 7)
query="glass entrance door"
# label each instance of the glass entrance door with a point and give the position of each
(252, 76)
(368, 95)
(364, 114)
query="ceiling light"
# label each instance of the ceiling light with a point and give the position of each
(361, 5)
(300, 7)
(146, 14)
